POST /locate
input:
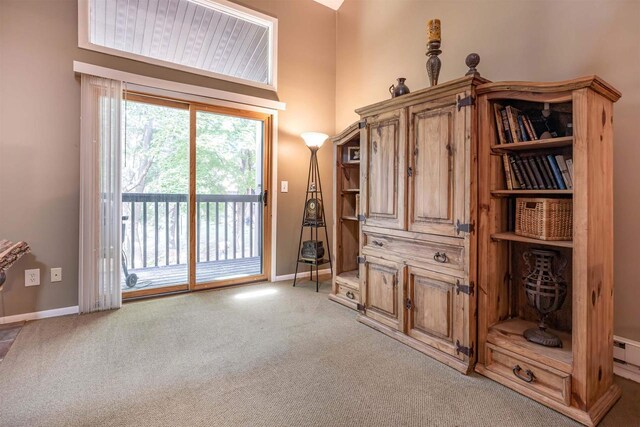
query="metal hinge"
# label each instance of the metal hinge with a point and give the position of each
(466, 101)
(361, 217)
(362, 123)
(408, 304)
(360, 260)
(465, 289)
(265, 197)
(410, 171)
(466, 228)
(467, 351)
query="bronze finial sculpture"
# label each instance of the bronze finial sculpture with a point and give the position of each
(433, 50)
(472, 61)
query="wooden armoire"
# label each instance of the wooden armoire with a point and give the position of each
(417, 263)
(425, 243)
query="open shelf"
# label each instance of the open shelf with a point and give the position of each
(314, 224)
(507, 193)
(349, 278)
(312, 262)
(508, 335)
(511, 236)
(565, 141)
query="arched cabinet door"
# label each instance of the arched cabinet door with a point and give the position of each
(383, 169)
(439, 142)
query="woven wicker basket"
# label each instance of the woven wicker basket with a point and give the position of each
(545, 219)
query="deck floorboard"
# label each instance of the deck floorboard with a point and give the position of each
(154, 277)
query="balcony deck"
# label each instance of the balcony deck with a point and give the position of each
(154, 277)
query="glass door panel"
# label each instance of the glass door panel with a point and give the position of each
(229, 186)
(155, 188)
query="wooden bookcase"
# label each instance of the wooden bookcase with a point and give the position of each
(346, 226)
(577, 379)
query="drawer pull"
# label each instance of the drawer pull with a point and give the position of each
(375, 242)
(441, 257)
(350, 295)
(528, 376)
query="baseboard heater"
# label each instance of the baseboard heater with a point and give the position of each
(626, 358)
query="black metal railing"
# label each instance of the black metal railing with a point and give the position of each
(156, 228)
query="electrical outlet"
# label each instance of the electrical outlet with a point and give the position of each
(56, 275)
(32, 277)
(284, 187)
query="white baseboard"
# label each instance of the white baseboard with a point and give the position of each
(301, 275)
(626, 362)
(39, 315)
(629, 372)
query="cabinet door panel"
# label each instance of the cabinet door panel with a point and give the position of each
(383, 179)
(383, 292)
(438, 315)
(439, 147)
(435, 300)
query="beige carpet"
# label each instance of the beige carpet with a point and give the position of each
(286, 358)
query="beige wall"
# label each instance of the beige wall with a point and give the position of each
(39, 131)
(379, 40)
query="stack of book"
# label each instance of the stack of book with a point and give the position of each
(515, 126)
(538, 171)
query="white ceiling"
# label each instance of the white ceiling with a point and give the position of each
(185, 33)
(333, 4)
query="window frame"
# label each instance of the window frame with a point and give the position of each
(225, 6)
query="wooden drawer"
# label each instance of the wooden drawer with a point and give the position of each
(348, 293)
(527, 373)
(437, 254)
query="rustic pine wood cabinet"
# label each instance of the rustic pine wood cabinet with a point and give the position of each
(576, 379)
(438, 265)
(418, 245)
(345, 287)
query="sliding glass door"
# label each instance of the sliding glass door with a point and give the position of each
(229, 184)
(195, 196)
(155, 189)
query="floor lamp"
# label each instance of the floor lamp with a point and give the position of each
(311, 252)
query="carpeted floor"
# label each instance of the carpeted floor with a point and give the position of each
(280, 357)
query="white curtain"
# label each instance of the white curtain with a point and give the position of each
(100, 194)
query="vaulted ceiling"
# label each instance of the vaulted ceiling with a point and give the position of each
(333, 4)
(183, 32)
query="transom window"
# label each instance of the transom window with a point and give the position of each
(215, 38)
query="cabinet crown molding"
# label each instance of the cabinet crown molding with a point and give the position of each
(593, 82)
(433, 92)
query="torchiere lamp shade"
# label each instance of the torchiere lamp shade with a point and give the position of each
(314, 140)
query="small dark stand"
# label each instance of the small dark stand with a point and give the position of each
(313, 218)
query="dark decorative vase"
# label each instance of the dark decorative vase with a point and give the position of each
(399, 89)
(546, 291)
